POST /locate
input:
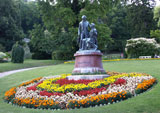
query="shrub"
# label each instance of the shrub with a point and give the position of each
(141, 47)
(17, 54)
(41, 55)
(62, 55)
(2, 56)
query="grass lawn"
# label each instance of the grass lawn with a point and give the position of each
(148, 102)
(27, 64)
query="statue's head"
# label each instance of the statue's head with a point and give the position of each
(84, 17)
(92, 25)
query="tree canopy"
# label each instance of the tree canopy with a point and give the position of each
(52, 25)
(10, 23)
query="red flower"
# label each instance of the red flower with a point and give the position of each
(45, 93)
(66, 81)
(120, 81)
(89, 92)
(33, 87)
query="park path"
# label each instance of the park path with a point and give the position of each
(3, 74)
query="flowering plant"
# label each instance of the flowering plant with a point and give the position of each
(146, 84)
(51, 93)
(99, 99)
(9, 95)
(142, 47)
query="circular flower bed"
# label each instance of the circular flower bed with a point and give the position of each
(57, 92)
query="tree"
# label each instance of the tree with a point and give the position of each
(41, 45)
(30, 15)
(140, 18)
(10, 23)
(63, 17)
(157, 15)
(155, 34)
(117, 22)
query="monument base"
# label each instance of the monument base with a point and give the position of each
(88, 61)
(87, 77)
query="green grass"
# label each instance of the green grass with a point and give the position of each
(148, 102)
(27, 64)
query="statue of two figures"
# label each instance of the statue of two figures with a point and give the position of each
(87, 40)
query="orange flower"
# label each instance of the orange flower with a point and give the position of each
(10, 92)
(146, 83)
(29, 82)
(44, 104)
(36, 105)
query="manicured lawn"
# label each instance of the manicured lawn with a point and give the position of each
(27, 64)
(148, 102)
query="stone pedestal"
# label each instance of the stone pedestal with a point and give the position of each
(87, 77)
(88, 61)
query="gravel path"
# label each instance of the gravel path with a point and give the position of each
(3, 74)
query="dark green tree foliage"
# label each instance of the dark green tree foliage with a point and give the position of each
(10, 23)
(41, 44)
(140, 18)
(17, 54)
(61, 19)
(30, 15)
(156, 33)
(116, 20)
(157, 15)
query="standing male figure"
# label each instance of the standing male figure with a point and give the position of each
(83, 32)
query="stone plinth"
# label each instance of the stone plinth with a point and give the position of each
(88, 61)
(87, 77)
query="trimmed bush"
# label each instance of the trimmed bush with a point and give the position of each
(17, 54)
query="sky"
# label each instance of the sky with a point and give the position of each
(157, 2)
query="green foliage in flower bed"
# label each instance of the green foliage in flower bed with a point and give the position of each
(100, 101)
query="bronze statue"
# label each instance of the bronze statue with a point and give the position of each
(83, 31)
(91, 42)
(87, 40)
